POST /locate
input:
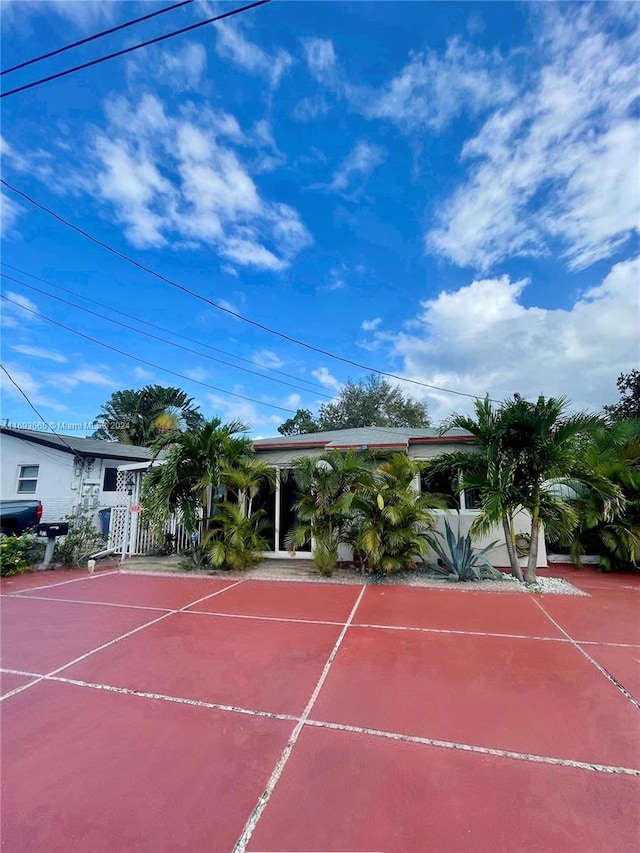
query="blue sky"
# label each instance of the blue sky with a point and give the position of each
(445, 191)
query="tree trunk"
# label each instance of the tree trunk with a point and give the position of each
(516, 571)
(532, 564)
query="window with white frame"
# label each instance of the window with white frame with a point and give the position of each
(27, 479)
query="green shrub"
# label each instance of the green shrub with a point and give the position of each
(81, 541)
(19, 553)
(233, 540)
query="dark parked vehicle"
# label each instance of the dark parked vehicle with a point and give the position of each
(18, 516)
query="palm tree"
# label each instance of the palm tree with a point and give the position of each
(543, 443)
(326, 486)
(245, 477)
(139, 416)
(491, 470)
(392, 520)
(612, 526)
(190, 480)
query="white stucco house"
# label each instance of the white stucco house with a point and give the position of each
(68, 475)
(419, 444)
(92, 475)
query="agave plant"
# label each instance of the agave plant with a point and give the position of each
(462, 562)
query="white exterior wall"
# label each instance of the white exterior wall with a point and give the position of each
(55, 475)
(64, 485)
(498, 557)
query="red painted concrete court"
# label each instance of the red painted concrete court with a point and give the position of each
(147, 713)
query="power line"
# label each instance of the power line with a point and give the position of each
(125, 50)
(314, 385)
(142, 360)
(94, 37)
(155, 337)
(229, 311)
(33, 408)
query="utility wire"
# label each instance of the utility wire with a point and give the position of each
(142, 360)
(229, 311)
(132, 48)
(155, 337)
(33, 408)
(94, 37)
(313, 385)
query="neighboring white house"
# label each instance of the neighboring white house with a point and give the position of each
(68, 475)
(419, 444)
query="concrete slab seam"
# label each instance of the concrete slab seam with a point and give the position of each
(345, 727)
(256, 814)
(483, 750)
(411, 628)
(84, 601)
(609, 676)
(126, 691)
(114, 641)
(86, 577)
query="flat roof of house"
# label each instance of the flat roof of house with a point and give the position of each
(84, 447)
(363, 437)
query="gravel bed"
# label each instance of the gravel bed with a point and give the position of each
(305, 572)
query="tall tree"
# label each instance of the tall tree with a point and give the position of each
(191, 478)
(326, 486)
(526, 453)
(302, 422)
(543, 442)
(610, 528)
(488, 468)
(140, 416)
(628, 408)
(366, 402)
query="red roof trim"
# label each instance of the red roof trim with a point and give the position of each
(368, 446)
(440, 439)
(303, 445)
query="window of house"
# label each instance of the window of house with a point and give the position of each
(472, 498)
(110, 480)
(27, 479)
(442, 485)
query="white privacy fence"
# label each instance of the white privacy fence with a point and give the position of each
(129, 534)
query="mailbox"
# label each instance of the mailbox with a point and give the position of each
(59, 528)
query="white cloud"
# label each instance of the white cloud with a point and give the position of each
(9, 213)
(336, 279)
(196, 373)
(39, 352)
(309, 109)
(433, 89)
(483, 338)
(83, 376)
(31, 387)
(559, 164)
(35, 162)
(321, 58)
(17, 310)
(358, 164)
(266, 358)
(83, 15)
(141, 373)
(233, 409)
(233, 46)
(176, 180)
(291, 402)
(228, 306)
(181, 68)
(325, 378)
(370, 325)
